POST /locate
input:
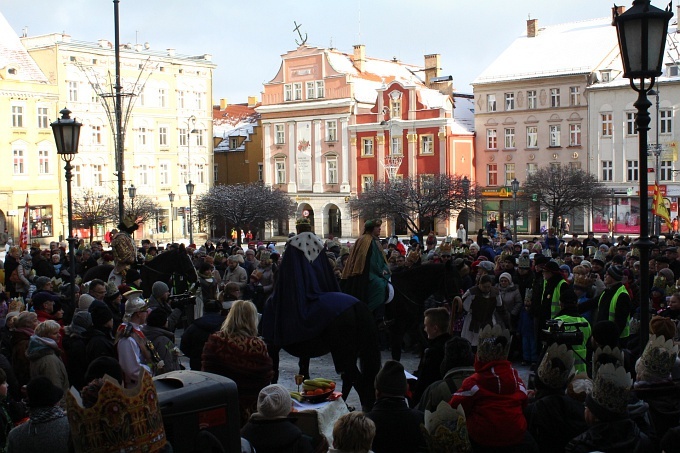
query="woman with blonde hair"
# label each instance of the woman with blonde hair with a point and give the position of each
(235, 351)
(353, 433)
(24, 328)
(45, 356)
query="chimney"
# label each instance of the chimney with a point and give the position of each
(138, 47)
(617, 11)
(532, 28)
(171, 52)
(432, 69)
(252, 101)
(223, 104)
(359, 57)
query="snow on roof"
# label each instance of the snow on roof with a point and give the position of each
(235, 120)
(463, 114)
(13, 53)
(571, 48)
(432, 99)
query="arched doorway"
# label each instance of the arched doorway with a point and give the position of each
(334, 227)
(305, 210)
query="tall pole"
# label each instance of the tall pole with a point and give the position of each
(657, 152)
(191, 226)
(466, 194)
(171, 196)
(119, 115)
(71, 240)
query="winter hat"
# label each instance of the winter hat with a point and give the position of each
(40, 282)
(565, 267)
(507, 276)
(132, 275)
(41, 297)
(557, 367)
(111, 292)
(158, 289)
(100, 315)
(274, 402)
(494, 344)
(104, 365)
(487, 266)
(157, 318)
(391, 379)
(611, 390)
(42, 393)
(552, 266)
(615, 272)
(85, 301)
(457, 353)
(657, 360)
(541, 259)
(663, 326)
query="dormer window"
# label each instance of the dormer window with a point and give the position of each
(606, 75)
(672, 70)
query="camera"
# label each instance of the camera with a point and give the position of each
(556, 332)
(181, 300)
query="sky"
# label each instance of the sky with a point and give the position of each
(247, 38)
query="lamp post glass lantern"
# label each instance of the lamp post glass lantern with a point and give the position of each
(66, 136)
(171, 196)
(515, 187)
(642, 32)
(132, 192)
(190, 192)
(466, 194)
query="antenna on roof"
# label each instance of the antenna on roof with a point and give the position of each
(529, 16)
(331, 44)
(24, 32)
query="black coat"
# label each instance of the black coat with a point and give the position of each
(76, 362)
(397, 428)
(621, 436)
(100, 344)
(664, 404)
(275, 436)
(554, 420)
(429, 368)
(196, 335)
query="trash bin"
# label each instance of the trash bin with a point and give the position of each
(200, 411)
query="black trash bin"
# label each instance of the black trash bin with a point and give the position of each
(200, 411)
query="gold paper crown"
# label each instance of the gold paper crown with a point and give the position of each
(122, 419)
(583, 280)
(557, 366)
(611, 388)
(494, 344)
(657, 360)
(413, 256)
(578, 251)
(524, 262)
(606, 355)
(445, 429)
(302, 221)
(569, 249)
(445, 248)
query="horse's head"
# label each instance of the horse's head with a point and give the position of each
(186, 266)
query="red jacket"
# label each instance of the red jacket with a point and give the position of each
(493, 399)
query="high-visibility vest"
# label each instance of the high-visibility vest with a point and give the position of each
(555, 302)
(612, 309)
(579, 350)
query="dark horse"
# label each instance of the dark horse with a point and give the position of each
(411, 288)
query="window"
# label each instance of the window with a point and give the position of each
(184, 173)
(532, 136)
(182, 137)
(280, 135)
(666, 121)
(574, 165)
(200, 173)
(260, 172)
(43, 161)
(77, 182)
(141, 136)
(509, 138)
(632, 170)
(233, 142)
(161, 97)
(297, 91)
(367, 182)
(311, 93)
(554, 166)
(509, 173)
(574, 96)
(574, 135)
(280, 173)
(492, 174)
(73, 91)
(216, 172)
(555, 132)
(200, 133)
(143, 175)
(199, 100)
(426, 183)
(531, 99)
(96, 135)
(554, 97)
(607, 170)
(40, 221)
(395, 108)
(490, 102)
(665, 170)
(43, 122)
(366, 146)
(320, 89)
(331, 131)
(630, 123)
(531, 168)
(19, 167)
(288, 92)
(163, 136)
(395, 146)
(427, 144)
(180, 99)
(607, 124)
(509, 101)
(97, 175)
(164, 174)
(141, 97)
(491, 139)
(17, 116)
(332, 170)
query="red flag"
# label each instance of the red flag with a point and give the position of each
(23, 237)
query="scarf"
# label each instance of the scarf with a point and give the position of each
(27, 330)
(45, 414)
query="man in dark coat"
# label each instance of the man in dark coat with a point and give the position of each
(436, 323)
(196, 335)
(614, 304)
(397, 428)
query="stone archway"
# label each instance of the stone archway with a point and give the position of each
(305, 208)
(334, 225)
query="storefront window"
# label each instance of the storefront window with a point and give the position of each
(40, 218)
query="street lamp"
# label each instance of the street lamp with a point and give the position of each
(66, 135)
(132, 191)
(190, 192)
(656, 149)
(642, 32)
(515, 187)
(171, 196)
(466, 193)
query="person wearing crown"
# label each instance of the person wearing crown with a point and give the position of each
(124, 249)
(134, 352)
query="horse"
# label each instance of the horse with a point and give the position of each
(411, 288)
(172, 267)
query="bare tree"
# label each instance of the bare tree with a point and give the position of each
(91, 209)
(245, 206)
(564, 190)
(416, 201)
(142, 208)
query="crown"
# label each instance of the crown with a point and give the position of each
(600, 256)
(445, 429)
(578, 251)
(413, 256)
(120, 420)
(556, 367)
(583, 280)
(605, 355)
(611, 388)
(445, 248)
(494, 344)
(657, 359)
(524, 262)
(569, 249)
(302, 221)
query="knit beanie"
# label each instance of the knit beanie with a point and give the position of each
(505, 275)
(616, 272)
(100, 315)
(391, 379)
(42, 393)
(132, 275)
(85, 301)
(158, 289)
(157, 318)
(274, 402)
(662, 326)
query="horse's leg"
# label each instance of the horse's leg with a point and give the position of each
(273, 352)
(303, 366)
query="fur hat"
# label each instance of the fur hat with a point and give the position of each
(657, 360)
(663, 326)
(557, 367)
(158, 289)
(494, 344)
(391, 379)
(274, 402)
(611, 390)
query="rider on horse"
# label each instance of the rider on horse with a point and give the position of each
(124, 249)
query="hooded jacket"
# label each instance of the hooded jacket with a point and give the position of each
(196, 335)
(44, 355)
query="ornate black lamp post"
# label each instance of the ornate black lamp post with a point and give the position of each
(66, 136)
(466, 194)
(171, 196)
(190, 192)
(515, 187)
(642, 32)
(132, 191)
